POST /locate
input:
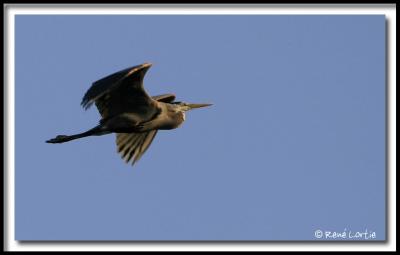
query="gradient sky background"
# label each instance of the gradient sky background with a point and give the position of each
(295, 140)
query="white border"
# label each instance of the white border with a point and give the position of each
(10, 10)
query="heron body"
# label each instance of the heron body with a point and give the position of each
(168, 117)
(127, 110)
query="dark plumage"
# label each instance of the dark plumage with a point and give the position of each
(127, 110)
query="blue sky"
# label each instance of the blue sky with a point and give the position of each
(294, 143)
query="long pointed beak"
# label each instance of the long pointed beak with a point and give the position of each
(193, 106)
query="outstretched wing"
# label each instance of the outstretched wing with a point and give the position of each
(121, 92)
(132, 146)
(165, 98)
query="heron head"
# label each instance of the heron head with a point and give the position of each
(183, 107)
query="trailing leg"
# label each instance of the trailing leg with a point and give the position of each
(65, 138)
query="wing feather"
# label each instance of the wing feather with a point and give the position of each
(166, 98)
(104, 85)
(120, 92)
(132, 146)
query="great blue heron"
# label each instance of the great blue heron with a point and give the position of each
(127, 110)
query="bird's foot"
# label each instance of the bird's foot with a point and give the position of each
(58, 139)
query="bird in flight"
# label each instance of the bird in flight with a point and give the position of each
(127, 110)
